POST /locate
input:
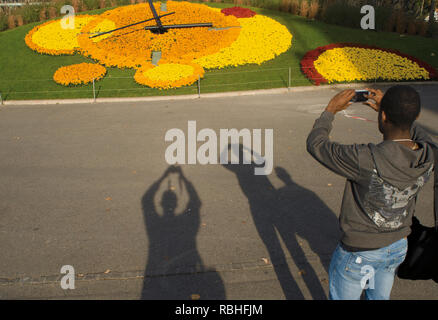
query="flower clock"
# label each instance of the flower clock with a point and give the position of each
(233, 37)
(346, 62)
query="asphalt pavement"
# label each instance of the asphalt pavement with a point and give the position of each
(88, 185)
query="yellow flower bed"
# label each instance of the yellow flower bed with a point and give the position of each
(260, 40)
(77, 74)
(102, 25)
(51, 38)
(352, 64)
(168, 75)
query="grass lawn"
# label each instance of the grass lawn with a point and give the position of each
(25, 74)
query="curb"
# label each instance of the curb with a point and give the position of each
(210, 95)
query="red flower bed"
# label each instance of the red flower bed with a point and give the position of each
(238, 12)
(308, 67)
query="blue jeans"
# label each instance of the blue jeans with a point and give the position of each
(351, 273)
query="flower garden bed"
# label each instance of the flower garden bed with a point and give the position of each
(239, 12)
(78, 74)
(27, 74)
(346, 62)
(239, 36)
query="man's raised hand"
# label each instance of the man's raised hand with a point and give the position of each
(376, 96)
(341, 101)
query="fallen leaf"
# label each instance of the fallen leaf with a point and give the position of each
(195, 296)
(108, 198)
(329, 184)
(134, 172)
(265, 260)
(302, 272)
(107, 271)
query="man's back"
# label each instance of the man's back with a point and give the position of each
(382, 183)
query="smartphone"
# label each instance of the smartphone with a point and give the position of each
(360, 96)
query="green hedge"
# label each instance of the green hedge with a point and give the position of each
(337, 12)
(30, 13)
(3, 22)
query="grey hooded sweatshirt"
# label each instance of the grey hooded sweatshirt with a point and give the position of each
(383, 181)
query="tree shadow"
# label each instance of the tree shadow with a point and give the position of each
(174, 269)
(5, 96)
(282, 214)
(98, 91)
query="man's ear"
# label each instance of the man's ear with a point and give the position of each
(383, 116)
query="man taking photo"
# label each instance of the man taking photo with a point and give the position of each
(383, 181)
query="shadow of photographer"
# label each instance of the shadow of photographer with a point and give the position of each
(280, 215)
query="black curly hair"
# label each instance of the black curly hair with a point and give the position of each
(402, 105)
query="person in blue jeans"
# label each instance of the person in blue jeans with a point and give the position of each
(382, 183)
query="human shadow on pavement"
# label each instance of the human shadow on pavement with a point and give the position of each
(174, 269)
(279, 216)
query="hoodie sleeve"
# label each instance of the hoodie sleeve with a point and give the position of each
(418, 133)
(341, 159)
(435, 187)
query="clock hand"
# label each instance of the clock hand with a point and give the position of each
(178, 26)
(130, 25)
(156, 17)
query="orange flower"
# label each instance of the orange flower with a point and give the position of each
(132, 47)
(77, 74)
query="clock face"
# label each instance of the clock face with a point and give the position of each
(238, 37)
(133, 46)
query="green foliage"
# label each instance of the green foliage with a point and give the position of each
(266, 4)
(3, 22)
(433, 30)
(30, 13)
(123, 2)
(338, 12)
(92, 4)
(383, 14)
(343, 14)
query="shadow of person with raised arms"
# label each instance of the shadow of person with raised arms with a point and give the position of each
(281, 215)
(174, 267)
